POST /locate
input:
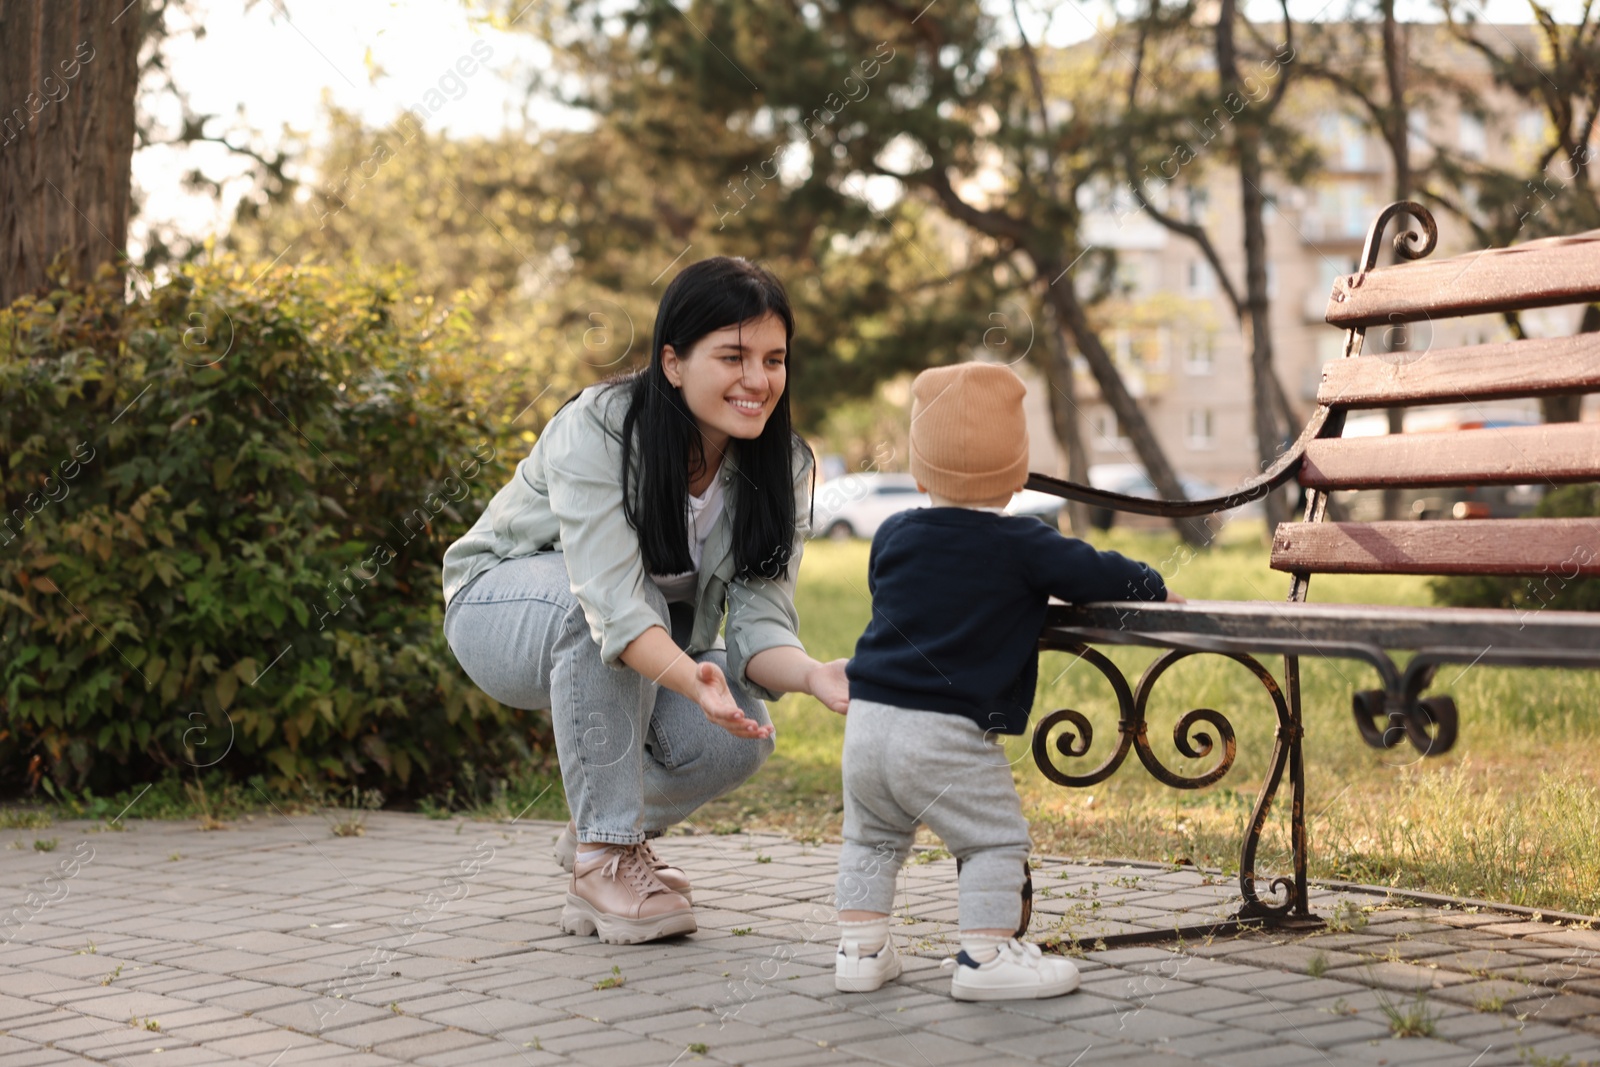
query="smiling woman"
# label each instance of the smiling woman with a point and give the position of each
(596, 584)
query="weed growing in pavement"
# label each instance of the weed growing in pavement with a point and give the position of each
(350, 819)
(24, 819)
(1414, 1019)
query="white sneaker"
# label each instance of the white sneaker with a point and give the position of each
(1019, 972)
(855, 973)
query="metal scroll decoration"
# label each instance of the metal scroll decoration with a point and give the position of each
(1408, 243)
(1076, 737)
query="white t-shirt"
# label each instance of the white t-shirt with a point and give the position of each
(703, 512)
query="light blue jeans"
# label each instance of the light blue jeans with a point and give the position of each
(635, 757)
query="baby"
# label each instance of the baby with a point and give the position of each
(949, 660)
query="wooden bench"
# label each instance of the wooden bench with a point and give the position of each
(1542, 273)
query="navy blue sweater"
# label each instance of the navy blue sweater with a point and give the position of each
(958, 598)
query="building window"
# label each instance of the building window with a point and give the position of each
(1107, 429)
(1471, 137)
(1150, 350)
(1347, 140)
(1272, 281)
(1197, 358)
(1122, 348)
(1198, 430)
(1531, 128)
(1417, 128)
(1346, 208)
(1353, 146)
(1201, 280)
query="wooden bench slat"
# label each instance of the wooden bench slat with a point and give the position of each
(1536, 367)
(1562, 633)
(1567, 548)
(1510, 455)
(1554, 270)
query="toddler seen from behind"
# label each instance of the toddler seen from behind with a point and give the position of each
(948, 663)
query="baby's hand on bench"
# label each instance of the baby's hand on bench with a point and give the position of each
(1174, 598)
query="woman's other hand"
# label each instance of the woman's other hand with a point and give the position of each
(827, 682)
(711, 693)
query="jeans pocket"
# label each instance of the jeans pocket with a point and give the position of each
(661, 747)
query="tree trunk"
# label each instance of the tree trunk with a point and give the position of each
(69, 70)
(1270, 433)
(1066, 420)
(1069, 312)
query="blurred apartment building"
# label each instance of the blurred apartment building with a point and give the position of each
(1173, 331)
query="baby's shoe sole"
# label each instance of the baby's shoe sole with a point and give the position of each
(1036, 992)
(582, 918)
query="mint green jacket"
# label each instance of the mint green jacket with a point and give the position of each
(566, 496)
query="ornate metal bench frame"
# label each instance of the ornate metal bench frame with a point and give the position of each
(1386, 717)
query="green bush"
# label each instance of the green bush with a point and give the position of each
(225, 509)
(1558, 590)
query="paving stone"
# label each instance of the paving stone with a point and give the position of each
(262, 904)
(1402, 976)
(489, 1053)
(1340, 1032)
(1294, 958)
(845, 1027)
(1280, 1055)
(917, 1049)
(489, 1015)
(379, 1031)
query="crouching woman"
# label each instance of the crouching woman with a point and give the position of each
(596, 582)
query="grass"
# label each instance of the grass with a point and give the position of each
(1410, 1019)
(1509, 815)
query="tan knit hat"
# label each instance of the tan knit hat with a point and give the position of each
(969, 440)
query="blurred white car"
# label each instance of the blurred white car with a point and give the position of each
(1130, 479)
(857, 504)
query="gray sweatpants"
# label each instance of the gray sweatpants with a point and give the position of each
(903, 768)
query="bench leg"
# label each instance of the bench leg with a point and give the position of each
(1286, 755)
(1301, 907)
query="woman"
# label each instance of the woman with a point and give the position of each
(596, 582)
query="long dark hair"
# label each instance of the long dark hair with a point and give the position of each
(708, 295)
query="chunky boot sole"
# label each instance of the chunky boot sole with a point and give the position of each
(581, 918)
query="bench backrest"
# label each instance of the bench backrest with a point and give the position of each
(1561, 270)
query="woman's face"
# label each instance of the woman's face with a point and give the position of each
(732, 378)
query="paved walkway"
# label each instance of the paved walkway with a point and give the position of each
(434, 942)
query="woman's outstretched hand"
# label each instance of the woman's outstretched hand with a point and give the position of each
(827, 682)
(711, 693)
